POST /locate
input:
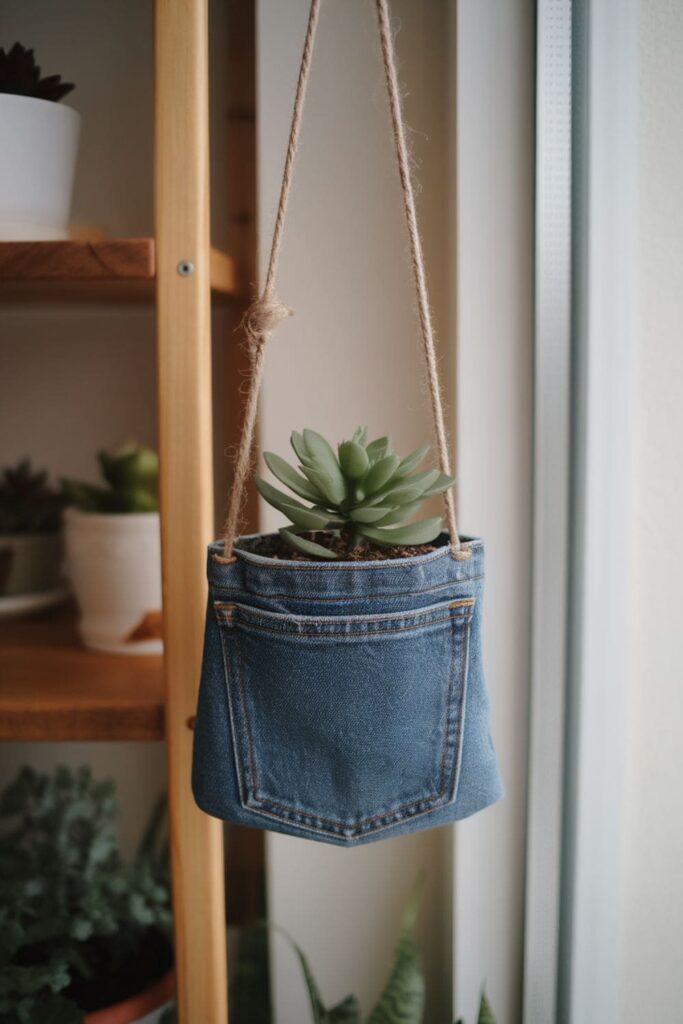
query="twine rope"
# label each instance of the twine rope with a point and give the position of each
(267, 312)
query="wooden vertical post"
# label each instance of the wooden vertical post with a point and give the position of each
(185, 435)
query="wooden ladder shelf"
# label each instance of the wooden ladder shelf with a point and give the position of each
(50, 687)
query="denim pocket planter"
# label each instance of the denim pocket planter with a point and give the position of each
(344, 701)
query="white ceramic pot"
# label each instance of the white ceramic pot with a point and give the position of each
(30, 563)
(37, 166)
(115, 566)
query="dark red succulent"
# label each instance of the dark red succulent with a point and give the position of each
(20, 76)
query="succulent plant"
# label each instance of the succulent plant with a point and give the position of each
(20, 76)
(27, 502)
(132, 476)
(364, 492)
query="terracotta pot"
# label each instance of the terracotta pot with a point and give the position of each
(146, 1006)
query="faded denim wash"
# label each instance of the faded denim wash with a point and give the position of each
(344, 702)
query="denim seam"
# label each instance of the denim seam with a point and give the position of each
(462, 711)
(347, 839)
(357, 597)
(235, 744)
(354, 635)
(295, 566)
(359, 828)
(263, 615)
(409, 810)
(449, 706)
(397, 565)
(247, 723)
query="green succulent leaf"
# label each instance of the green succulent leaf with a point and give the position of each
(422, 532)
(412, 461)
(130, 467)
(88, 497)
(426, 479)
(308, 518)
(400, 514)
(135, 499)
(378, 448)
(273, 496)
(405, 494)
(322, 454)
(131, 475)
(308, 547)
(380, 474)
(331, 488)
(360, 435)
(370, 514)
(442, 483)
(301, 451)
(287, 475)
(353, 460)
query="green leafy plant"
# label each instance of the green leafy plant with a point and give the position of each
(28, 504)
(365, 493)
(80, 928)
(20, 76)
(485, 1015)
(131, 474)
(402, 1000)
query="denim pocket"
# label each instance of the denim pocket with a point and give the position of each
(346, 725)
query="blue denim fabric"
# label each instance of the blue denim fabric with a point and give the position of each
(342, 701)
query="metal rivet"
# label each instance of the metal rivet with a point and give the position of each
(185, 268)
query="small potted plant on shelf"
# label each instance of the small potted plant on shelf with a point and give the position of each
(114, 553)
(86, 935)
(31, 540)
(38, 152)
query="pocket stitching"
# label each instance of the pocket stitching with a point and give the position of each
(416, 807)
(360, 635)
(256, 618)
(338, 598)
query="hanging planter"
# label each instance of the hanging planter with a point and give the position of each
(342, 695)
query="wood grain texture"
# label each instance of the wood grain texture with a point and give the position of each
(130, 259)
(89, 272)
(53, 688)
(185, 430)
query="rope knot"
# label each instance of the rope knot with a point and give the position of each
(262, 318)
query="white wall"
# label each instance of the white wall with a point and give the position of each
(652, 981)
(495, 173)
(350, 355)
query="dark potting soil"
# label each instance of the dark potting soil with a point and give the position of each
(145, 965)
(273, 546)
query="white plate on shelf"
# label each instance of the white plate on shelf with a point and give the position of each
(24, 604)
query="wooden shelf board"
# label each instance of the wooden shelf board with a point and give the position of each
(52, 688)
(97, 271)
